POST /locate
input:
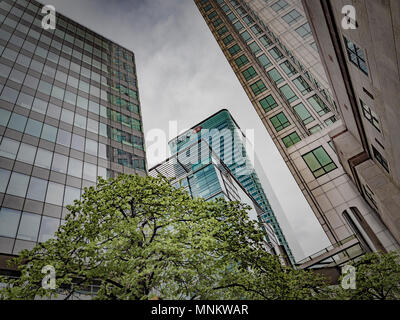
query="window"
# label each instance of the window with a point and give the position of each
(217, 22)
(268, 103)
(225, 8)
(71, 194)
(67, 116)
(370, 115)
(356, 55)
(248, 20)
(64, 138)
(80, 121)
(264, 61)
(275, 76)
(59, 163)
(238, 26)
(249, 73)
(302, 85)
(279, 121)
(256, 29)
(380, 158)
(17, 76)
(258, 87)
(314, 46)
(49, 133)
(315, 129)
(45, 87)
(330, 120)
(246, 36)
(227, 40)
(212, 15)
(232, 17)
(43, 158)
(318, 105)
(78, 142)
(292, 17)
(291, 139)
(241, 61)
(288, 93)
(17, 122)
(18, 184)
(222, 30)
(29, 226)
(9, 95)
(254, 47)
(288, 68)
(280, 5)
(39, 106)
(37, 189)
(4, 176)
(319, 162)
(304, 31)
(4, 117)
(89, 171)
(9, 220)
(303, 113)
(34, 128)
(75, 168)
(276, 54)
(234, 49)
(9, 148)
(26, 153)
(48, 228)
(55, 193)
(91, 147)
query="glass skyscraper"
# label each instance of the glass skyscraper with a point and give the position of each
(211, 178)
(69, 112)
(229, 143)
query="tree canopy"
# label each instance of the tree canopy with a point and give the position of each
(140, 238)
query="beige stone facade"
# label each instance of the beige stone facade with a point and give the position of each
(310, 115)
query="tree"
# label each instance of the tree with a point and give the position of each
(377, 278)
(141, 238)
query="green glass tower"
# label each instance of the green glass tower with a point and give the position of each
(229, 143)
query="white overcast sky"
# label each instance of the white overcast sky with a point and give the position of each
(183, 76)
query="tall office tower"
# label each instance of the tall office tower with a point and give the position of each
(361, 60)
(272, 51)
(69, 112)
(229, 143)
(210, 179)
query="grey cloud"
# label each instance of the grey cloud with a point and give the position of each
(184, 76)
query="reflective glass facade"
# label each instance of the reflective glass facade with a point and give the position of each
(69, 112)
(223, 130)
(212, 178)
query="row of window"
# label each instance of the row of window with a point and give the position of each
(65, 115)
(68, 25)
(28, 17)
(258, 87)
(53, 56)
(43, 158)
(24, 186)
(26, 225)
(67, 46)
(59, 75)
(50, 133)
